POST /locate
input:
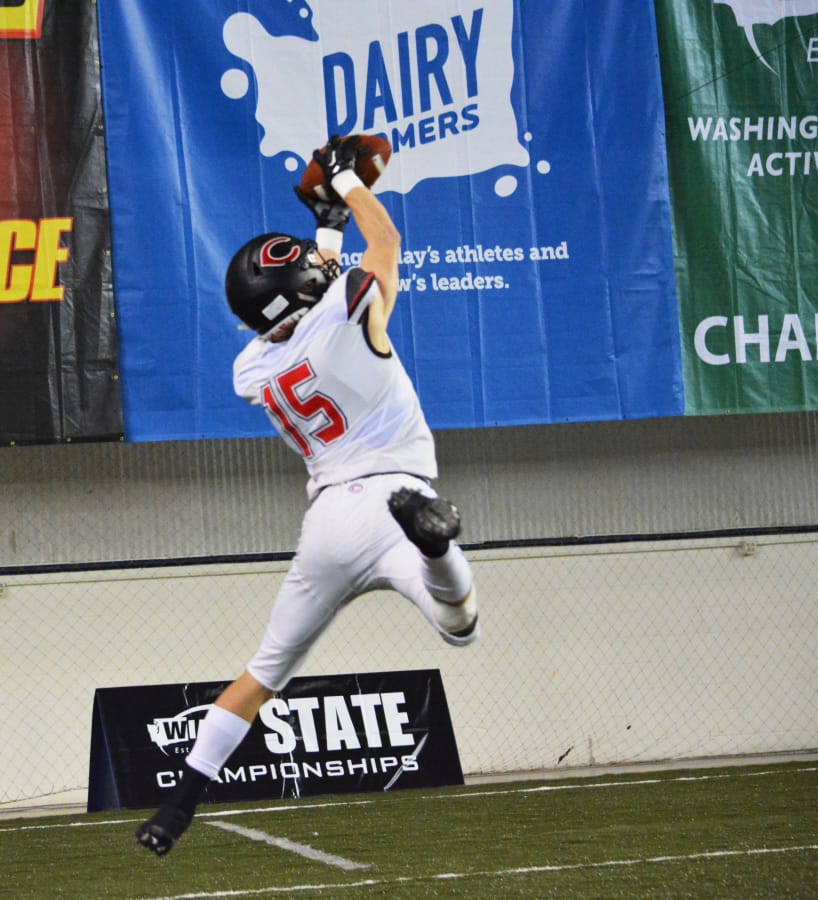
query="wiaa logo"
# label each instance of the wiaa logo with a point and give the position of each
(174, 736)
(750, 13)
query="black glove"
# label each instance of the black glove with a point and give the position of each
(338, 156)
(327, 214)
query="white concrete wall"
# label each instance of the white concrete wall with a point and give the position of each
(604, 654)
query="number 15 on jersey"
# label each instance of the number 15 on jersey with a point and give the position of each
(300, 412)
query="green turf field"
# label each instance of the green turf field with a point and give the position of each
(729, 832)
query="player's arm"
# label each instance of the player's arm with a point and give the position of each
(382, 252)
(381, 258)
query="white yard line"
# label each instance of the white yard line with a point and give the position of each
(296, 806)
(495, 873)
(542, 788)
(286, 844)
(348, 865)
(222, 814)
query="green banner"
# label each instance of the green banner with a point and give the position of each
(741, 84)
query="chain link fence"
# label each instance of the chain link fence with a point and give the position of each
(598, 654)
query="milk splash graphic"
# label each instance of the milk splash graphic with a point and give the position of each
(433, 76)
(750, 13)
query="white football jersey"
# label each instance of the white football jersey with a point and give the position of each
(347, 409)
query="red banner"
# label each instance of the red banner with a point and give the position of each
(58, 359)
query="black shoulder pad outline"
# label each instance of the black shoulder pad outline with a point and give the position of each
(359, 285)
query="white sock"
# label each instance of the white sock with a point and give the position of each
(457, 618)
(219, 734)
(448, 578)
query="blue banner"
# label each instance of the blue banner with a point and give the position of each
(528, 179)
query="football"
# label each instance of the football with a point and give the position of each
(374, 152)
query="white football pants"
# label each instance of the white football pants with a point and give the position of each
(349, 545)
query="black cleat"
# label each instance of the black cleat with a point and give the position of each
(160, 833)
(429, 522)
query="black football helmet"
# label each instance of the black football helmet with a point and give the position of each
(275, 279)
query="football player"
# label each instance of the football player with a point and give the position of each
(323, 368)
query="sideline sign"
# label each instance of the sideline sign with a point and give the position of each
(334, 734)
